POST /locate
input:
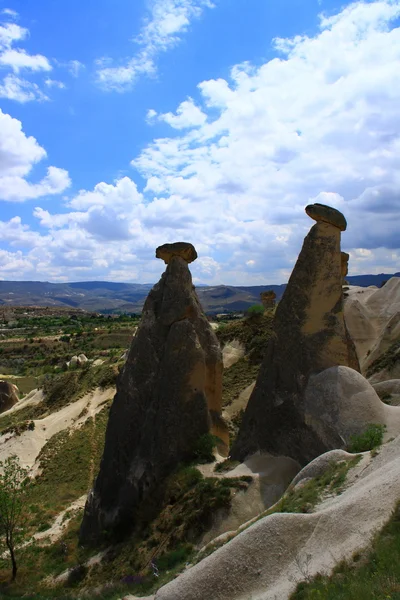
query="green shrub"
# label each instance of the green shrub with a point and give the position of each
(203, 450)
(255, 310)
(371, 438)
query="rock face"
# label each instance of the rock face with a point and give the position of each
(169, 393)
(268, 299)
(326, 214)
(345, 264)
(339, 403)
(183, 249)
(309, 336)
(373, 318)
(8, 395)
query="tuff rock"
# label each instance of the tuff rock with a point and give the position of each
(309, 336)
(268, 299)
(183, 249)
(169, 394)
(8, 395)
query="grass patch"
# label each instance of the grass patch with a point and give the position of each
(374, 575)
(60, 390)
(68, 462)
(253, 332)
(237, 378)
(226, 465)
(67, 387)
(303, 499)
(203, 450)
(388, 360)
(371, 438)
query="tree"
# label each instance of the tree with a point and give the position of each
(13, 480)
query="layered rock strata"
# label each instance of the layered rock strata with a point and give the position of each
(309, 336)
(169, 394)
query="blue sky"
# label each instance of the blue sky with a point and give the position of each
(127, 124)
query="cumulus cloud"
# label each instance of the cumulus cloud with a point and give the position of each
(18, 155)
(318, 123)
(18, 64)
(167, 21)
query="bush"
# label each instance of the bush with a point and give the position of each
(371, 438)
(203, 451)
(255, 310)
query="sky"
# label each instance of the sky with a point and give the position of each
(126, 124)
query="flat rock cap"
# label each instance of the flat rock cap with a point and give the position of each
(183, 249)
(268, 294)
(321, 212)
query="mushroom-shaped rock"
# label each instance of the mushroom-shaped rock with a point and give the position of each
(8, 395)
(327, 214)
(268, 299)
(183, 249)
(309, 336)
(169, 394)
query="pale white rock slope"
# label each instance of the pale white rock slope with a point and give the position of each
(266, 560)
(372, 317)
(28, 445)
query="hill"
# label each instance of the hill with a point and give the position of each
(113, 297)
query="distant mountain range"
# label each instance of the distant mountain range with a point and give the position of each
(111, 297)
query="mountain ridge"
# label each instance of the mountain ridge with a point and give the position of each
(109, 297)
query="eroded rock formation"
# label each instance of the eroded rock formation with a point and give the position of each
(309, 336)
(8, 395)
(169, 393)
(268, 299)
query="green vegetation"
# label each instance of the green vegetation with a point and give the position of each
(226, 465)
(203, 451)
(255, 310)
(39, 345)
(386, 361)
(237, 378)
(165, 537)
(372, 575)
(12, 487)
(68, 464)
(371, 438)
(67, 387)
(253, 332)
(304, 498)
(59, 390)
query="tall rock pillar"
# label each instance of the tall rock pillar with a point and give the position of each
(169, 393)
(309, 335)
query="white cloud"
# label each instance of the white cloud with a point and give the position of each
(187, 115)
(53, 83)
(321, 124)
(20, 90)
(167, 21)
(9, 12)
(15, 60)
(10, 33)
(75, 67)
(20, 59)
(18, 155)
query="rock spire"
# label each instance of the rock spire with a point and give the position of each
(309, 335)
(169, 394)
